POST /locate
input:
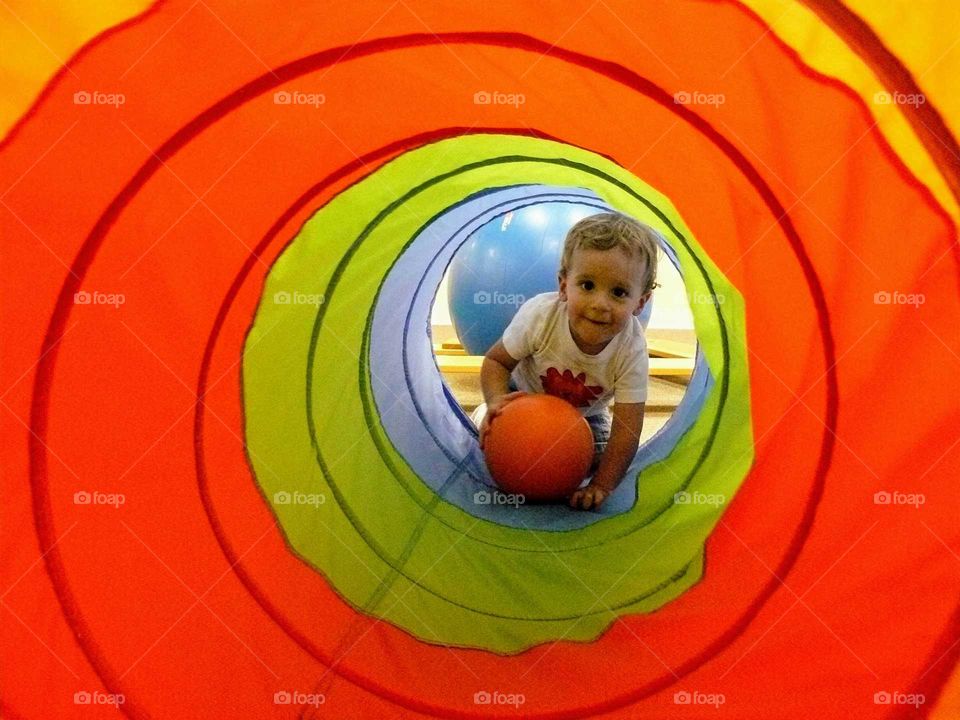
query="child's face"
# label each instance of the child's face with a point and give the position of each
(602, 289)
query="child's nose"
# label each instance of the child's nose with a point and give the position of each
(601, 303)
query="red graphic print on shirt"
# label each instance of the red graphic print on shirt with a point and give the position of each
(572, 389)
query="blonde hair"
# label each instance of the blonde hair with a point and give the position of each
(608, 230)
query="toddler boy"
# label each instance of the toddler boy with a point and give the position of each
(585, 344)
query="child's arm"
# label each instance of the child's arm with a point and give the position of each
(621, 449)
(495, 383)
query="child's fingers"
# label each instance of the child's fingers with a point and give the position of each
(487, 422)
(497, 407)
(579, 500)
(598, 497)
(588, 498)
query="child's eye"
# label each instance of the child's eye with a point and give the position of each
(587, 284)
(620, 292)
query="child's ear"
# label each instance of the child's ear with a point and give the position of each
(644, 299)
(562, 281)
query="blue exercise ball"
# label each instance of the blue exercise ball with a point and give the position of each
(506, 261)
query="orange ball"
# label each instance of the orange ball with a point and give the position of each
(539, 446)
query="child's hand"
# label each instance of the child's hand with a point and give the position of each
(495, 409)
(592, 496)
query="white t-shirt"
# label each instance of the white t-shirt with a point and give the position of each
(550, 361)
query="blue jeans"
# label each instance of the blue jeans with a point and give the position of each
(600, 427)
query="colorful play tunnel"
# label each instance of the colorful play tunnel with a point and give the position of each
(235, 482)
